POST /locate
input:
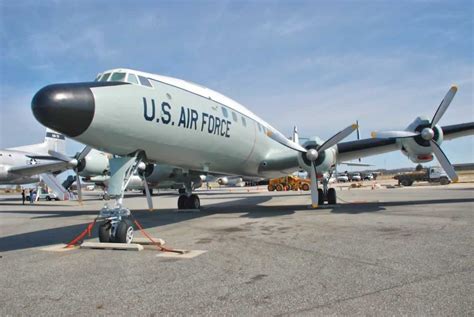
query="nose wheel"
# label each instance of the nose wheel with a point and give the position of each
(116, 232)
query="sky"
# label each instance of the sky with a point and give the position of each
(320, 65)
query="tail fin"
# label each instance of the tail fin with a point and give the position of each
(52, 141)
(55, 141)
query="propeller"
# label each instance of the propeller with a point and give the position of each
(73, 162)
(427, 134)
(313, 154)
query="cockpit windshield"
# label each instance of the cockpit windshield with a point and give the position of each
(124, 77)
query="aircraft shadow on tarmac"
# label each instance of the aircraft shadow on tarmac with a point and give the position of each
(250, 208)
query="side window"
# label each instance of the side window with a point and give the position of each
(225, 112)
(244, 123)
(144, 81)
(98, 77)
(259, 127)
(234, 116)
(132, 79)
(118, 77)
(105, 77)
(264, 130)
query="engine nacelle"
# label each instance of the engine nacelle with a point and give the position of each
(229, 180)
(417, 149)
(95, 163)
(169, 176)
(325, 160)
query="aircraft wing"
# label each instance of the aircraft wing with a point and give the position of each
(35, 169)
(458, 130)
(366, 147)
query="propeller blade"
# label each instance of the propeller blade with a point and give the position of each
(62, 157)
(393, 134)
(148, 196)
(280, 138)
(443, 106)
(443, 160)
(335, 139)
(314, 186)
(79, 187)
(84, 153)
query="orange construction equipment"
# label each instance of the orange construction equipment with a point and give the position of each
(288, 183)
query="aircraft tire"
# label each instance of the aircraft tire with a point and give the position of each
(320, 197)
(182, 201)
(332, 197)
(193, 202)
(48, 198)
(124, 232)
(104, 232)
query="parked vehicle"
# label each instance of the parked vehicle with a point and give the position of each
(355, 177)
(368, 177)
(47, 196)
(288, 183)
(431, 174)
(342, 178)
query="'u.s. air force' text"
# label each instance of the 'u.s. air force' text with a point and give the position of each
(188, 118)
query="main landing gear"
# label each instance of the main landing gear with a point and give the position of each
(188, 200)
(326, 193)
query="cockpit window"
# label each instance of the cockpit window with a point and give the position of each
(132, 78)
(97, 77)
(144, 81)
(118, 77)
(105, 77)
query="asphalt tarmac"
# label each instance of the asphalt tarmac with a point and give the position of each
(401, 251)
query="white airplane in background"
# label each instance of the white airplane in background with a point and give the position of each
(31, 163)
(148, 118)
(23, 164)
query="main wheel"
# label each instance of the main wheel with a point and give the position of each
(124, 232)
(104, 232)
(320, 197)
(48, 198)
(193, 202)
(182, 201)
(332, 198)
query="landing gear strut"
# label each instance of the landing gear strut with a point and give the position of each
(117, 226)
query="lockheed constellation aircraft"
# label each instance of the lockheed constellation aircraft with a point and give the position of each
(146, 118)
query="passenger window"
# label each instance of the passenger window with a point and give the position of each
(118, 77)
(244, 123)
(132, 79)
(224, 112)
(144, 81)
(105, 77)
(234, 116)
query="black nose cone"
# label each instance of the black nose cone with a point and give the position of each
(66, 108)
